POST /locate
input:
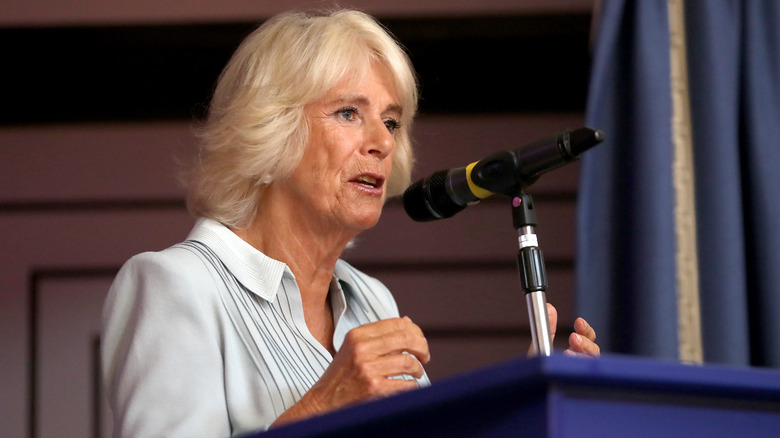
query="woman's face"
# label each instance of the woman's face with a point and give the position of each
(342, 178)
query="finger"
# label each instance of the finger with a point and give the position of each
(394, 365)
(583, 345)
(380, 327)
(576, 354)
(552, 315)
(394, 344)
(373, 378)
(383, 327)
(388, 337)
(583, 328)
(388, 387)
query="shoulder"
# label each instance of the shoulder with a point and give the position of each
(157, 293)
(175, 264)
(175, 274)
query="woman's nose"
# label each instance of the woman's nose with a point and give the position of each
(380, 141)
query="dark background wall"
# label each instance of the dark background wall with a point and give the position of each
(98, 105)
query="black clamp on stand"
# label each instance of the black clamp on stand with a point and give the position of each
(533, 276)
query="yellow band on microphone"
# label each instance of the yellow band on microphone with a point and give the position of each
(478, 191)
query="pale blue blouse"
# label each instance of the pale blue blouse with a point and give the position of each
(207, 338)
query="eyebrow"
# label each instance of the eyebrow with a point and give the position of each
(363, 100)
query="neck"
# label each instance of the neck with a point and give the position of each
(310, 250)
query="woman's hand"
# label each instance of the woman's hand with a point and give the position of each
(362, 368)
(582, 342)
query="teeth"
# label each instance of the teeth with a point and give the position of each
(367, 180)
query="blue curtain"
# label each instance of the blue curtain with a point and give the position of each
(626, 248)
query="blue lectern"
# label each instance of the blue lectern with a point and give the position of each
(562, 397)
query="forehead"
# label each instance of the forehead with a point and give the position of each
(375, 86)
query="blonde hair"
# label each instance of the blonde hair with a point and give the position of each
(256, 130)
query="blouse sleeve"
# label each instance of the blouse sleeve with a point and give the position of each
(161, 350)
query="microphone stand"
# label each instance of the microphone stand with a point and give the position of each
(533, 277)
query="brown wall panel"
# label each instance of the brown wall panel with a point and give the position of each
(482, 233)
(473, 299)
(68, 398)
(72, 163)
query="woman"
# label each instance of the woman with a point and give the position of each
(254, 320)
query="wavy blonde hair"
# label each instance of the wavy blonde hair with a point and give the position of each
(256, 128)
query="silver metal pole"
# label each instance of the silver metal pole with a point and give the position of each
(540, 323)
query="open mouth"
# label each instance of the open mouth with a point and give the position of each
(370, 181)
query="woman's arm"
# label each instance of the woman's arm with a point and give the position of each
(162, 364)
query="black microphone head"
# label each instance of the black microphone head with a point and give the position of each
(582, 139)
(427, 200)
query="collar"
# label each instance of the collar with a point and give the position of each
(255, 270)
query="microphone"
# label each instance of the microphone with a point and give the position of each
(446, 192)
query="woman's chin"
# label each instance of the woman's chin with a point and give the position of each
(364, 220)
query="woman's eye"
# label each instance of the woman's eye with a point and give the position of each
(348, 114)
(392, 125)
